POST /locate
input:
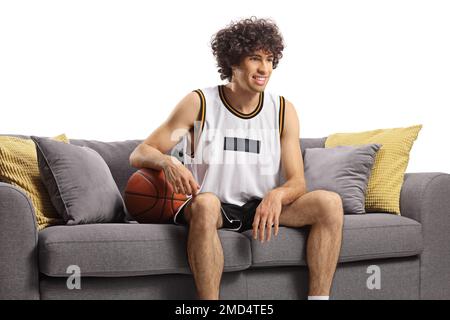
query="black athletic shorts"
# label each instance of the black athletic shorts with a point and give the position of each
(234, 217)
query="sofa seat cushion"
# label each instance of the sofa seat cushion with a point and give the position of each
(365, 237)
(128, 249)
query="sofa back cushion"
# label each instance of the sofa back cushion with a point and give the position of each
(117, 154)
(306, 143)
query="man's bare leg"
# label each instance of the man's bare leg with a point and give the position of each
(323, 211)
(205, 253)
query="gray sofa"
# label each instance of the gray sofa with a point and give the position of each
(148, 261)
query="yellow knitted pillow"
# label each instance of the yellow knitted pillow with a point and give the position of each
(386, 179)
(19, 167)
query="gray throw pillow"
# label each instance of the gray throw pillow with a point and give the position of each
(344, 169)
(79, 182)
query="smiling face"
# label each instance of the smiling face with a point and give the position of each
(254, 71)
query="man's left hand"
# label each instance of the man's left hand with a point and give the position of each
(267, 216)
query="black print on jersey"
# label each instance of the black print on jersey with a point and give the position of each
(239, 144)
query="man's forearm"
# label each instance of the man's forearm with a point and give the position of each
(145, 156)
(290, 190)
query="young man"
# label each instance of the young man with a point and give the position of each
(243, 165)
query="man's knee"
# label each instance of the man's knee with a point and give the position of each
(204, 211)
(330, 207)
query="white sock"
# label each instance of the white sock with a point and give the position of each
(318, 297)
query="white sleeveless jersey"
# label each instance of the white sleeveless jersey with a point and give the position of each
(236, 156)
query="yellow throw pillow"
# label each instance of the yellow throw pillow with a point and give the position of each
(19, 167)
(386, 179)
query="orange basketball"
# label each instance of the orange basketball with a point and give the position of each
(149, 197)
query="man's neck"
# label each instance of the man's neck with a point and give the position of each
(242, 100)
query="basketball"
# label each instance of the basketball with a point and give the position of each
(149, 197)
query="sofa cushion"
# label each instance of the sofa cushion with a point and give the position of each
(128, 249)
(386, 179)
(365, 237)
(344, 170)
(19, 167)
(116, 155)
(79, 182)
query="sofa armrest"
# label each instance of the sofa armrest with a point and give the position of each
(425, 197)
(19, 273)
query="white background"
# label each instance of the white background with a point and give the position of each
(113, 70)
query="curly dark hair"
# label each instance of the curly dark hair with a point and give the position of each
(240, 39)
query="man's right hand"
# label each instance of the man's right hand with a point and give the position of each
(179, 177)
